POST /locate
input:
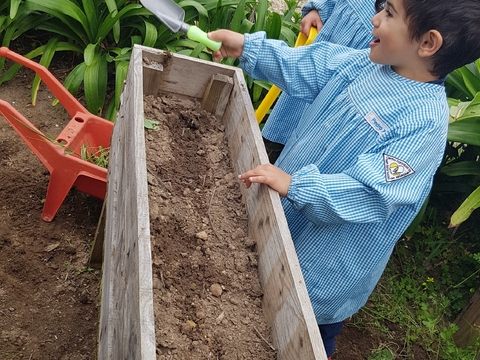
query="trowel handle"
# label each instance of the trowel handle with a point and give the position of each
(194, 33)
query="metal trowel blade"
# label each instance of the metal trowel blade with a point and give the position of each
(167, 11)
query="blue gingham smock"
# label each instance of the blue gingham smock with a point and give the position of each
(346, 22)
(362, 160)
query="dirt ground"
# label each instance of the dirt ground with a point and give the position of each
(49, 297)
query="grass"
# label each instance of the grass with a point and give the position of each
(428, 281)
(98, 157)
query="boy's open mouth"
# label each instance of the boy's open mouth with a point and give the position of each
(375, 42)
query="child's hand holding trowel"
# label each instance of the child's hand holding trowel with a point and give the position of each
(232, 44)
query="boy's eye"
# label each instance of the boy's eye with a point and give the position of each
(389, 14)
(381, 6)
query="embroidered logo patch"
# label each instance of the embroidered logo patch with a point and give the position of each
(375, 122)
(395, 169)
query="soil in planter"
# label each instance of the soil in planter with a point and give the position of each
(207, 296)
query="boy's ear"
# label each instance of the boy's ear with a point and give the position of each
(429, 43)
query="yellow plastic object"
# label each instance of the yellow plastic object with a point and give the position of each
(274, 91)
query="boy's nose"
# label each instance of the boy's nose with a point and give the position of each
(376, 19)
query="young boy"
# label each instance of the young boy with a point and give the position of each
(345, 22)
(359, 165)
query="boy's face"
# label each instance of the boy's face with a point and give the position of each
(392, 44)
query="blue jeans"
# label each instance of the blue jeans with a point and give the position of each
(329, 332)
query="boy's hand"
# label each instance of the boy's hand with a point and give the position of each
(311, 19)
(270, 175)
(232, 44)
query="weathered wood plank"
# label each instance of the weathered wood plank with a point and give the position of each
(468, 322)
(217, 94)
(126, 314)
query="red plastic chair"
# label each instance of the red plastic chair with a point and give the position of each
(62, 156)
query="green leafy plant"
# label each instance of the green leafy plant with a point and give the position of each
(428, 281)
(91, 29)
(81, 271)
(462, 156)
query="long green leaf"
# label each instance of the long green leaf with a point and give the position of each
(14, 4)
(12, 71)
(151, 34)
(95, 84)
(64, 10)
(465, 131)
(197, 50)
(45, 60)
(274, 26)
(90, 53)
(471, 203)
(55, 26)
(289, 36)
(464, 110)
(121, 69)
(74, 80)
(260, 16)
(113, 9)
(3, 20)
(465, 79)
(238, 16)
(461, 168)
(91, 11)
(246, 27)
(199, 7)
(127, 11)
(218, 16)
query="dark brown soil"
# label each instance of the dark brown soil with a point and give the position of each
(48, 295)
(207, 296)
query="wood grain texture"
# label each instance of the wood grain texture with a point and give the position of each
(126, 314)
(468, 322)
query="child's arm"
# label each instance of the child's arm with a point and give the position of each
(301, 72)
(376, 185)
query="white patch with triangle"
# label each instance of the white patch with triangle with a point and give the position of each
(395, 169)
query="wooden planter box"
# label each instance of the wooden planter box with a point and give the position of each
(127, 329)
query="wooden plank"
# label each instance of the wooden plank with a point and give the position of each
(217, 94)
(468, 322)
(185, 76)
(126, 328)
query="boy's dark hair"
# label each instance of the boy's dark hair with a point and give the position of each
(458, 23)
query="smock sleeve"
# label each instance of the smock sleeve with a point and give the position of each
(377, 184)
(324, 8)
(301, 72)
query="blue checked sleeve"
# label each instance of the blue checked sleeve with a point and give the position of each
(367, 192)
(324, 8)
(300, 72)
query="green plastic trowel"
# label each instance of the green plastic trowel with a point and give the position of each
(172, 15)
